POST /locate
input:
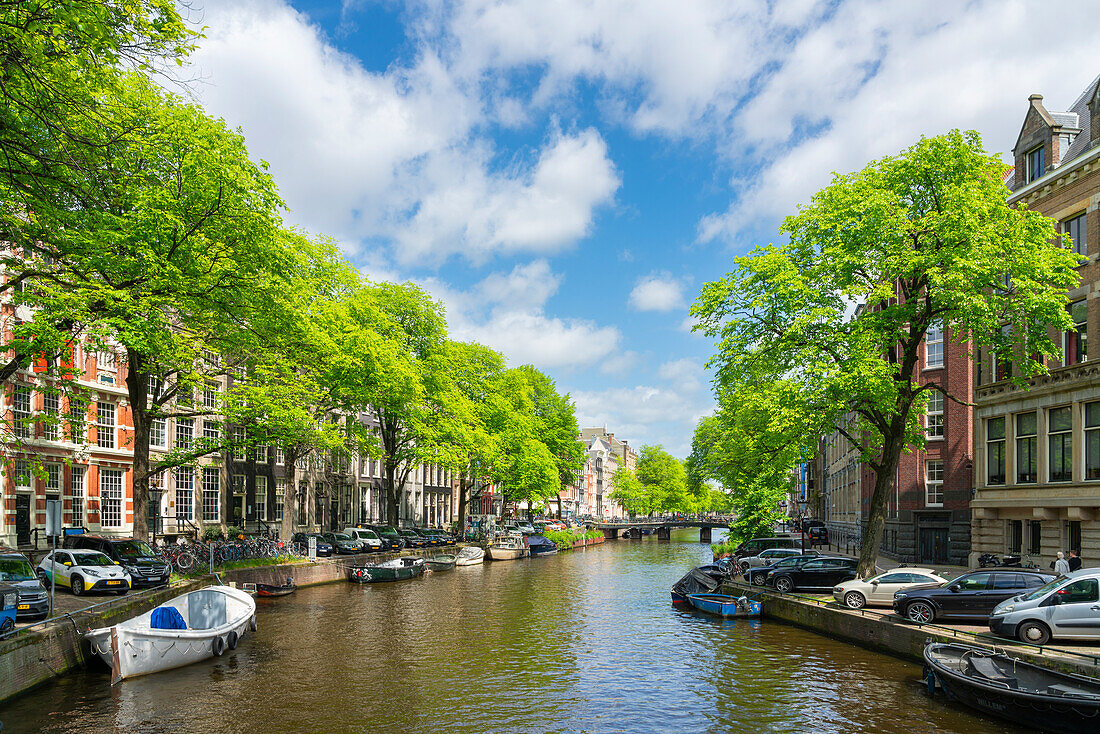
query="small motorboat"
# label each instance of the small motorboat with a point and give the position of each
(399, 569)
(723, 605)
(540, 546)
(508, 548)
(471, 555)
(1027, 694)
(191, 627)
(269, 590)
(444, 562)
(701, 580)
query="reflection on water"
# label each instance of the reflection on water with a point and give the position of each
(581, 641)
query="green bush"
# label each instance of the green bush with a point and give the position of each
(593, 533)
(211, 532)
(720, 549)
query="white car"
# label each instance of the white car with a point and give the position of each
(368, 539)
(83, 570)
(879, 590)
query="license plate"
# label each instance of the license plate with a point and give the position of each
(113, 583)
(21, 607)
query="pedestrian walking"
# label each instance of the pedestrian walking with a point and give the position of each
(1074, 561)
(1061, 566)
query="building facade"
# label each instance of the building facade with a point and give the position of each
(1037, 490)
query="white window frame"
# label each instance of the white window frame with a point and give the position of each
(106, 433)
(933, 416)
(933, 483)
(185, 493)
(211, 494)
(280, 495)
(51, 408)
(53, 479)
(77, 493)
(111, 498)
(21, 401)
(185, 433)
(261, 497)
(934, 346)
(158, 433)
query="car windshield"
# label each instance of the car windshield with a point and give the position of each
(408, 533)
(341, 536)
(15, 569)
(369, 535)
(1044, 590)
(133, 549)
(387, 531)
(92, 559)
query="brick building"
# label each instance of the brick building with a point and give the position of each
(1037, 490)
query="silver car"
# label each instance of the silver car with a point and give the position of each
(1067, 607)
(768, 557)
(879, 590)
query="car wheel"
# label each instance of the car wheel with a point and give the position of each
(920, 612)
(1035, 633)
(77, 585)
(758, 579)
(855, 600)
(784, 584)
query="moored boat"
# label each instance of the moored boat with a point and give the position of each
(723, 605)
(1012, 689)
(471, 555)
(507, 548)
(444, 562)
(269, 590)
(191, 627)
(701, 580)
(540, 546)
(399, 569)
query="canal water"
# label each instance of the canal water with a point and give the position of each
(585, 641)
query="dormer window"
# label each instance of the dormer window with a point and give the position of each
(1036, 163)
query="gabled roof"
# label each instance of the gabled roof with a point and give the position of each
(1076, 118)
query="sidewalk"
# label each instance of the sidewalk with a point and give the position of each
(885, 564)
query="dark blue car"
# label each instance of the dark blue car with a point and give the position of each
(324, 548)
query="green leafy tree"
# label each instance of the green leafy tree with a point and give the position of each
(628, 491)
(556, 419)
(831, 324)
(663, 481)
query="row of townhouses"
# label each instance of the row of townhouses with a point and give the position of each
(1017, 470)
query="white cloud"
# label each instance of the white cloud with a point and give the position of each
(620, 363)
(657, 292)
(396, 156)
(686, 372)
(646, 414)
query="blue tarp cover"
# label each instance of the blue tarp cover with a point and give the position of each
(167, 618)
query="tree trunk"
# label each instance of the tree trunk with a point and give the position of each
(559, 505)
(137, 388)
(461, 531)
(290, 494)
(876, 516)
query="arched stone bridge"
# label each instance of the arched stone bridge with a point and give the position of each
(663, 526)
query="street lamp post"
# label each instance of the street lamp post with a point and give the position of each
(802, 505)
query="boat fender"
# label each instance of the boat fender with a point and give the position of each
(231, 640)
(218, 646)
(930, 678)
(252, 623)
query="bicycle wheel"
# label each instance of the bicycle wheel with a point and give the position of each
(184, 563)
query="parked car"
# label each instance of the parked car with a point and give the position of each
(878, 591)
(756, 576)
(526, 528)
(757, 545)
(970, 596)
(430, 536)
(9, 600)
(413, 539)
(16, 570)
(141, 562)
(324, 548)
(441, 536)
(368, 539)
(391, 539)
(1066, 608)
(83, 571)
(770, 556)
(343, 543)
(823, 572)
(817, 535)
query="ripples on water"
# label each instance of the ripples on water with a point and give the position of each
(578, 642)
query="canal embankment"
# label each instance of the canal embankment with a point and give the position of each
(883, 631)
(40, 652)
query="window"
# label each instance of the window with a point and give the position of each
(110, 497)
(211, 432)
(261, 498)
(51, 406)
(78, 415)
(1014, 532)
(158, 433)
(1077, 232)
(211, 494)
(933, 482)
(995, 450)
(210, 396)
(1027, 449)
(303, 498)
(975, 581)
(238, 483)
(1081, 591)
(933, 417)
(280, 457)
(185, 493)
(105, 425)
(53, 479)
(1036, 163)
(280, 495)
(933, 346)
(1092, 440)
(153, 386)
(185, 432)
(21, 411)
(105, 360)
(76, 487)
(1060, 444)
(1075, 344)
(1073, 536)
(303, 462)
(261, 453)
(1035, 537)
(152, 509)
(238, 443)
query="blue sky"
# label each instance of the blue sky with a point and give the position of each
(564, 176)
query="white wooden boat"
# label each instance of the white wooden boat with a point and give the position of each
(192, 627)
(507, 548)
(471, 555)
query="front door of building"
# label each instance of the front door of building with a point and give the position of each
(334, 515)
(22, 519)
(933, 545)
(238, 510)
